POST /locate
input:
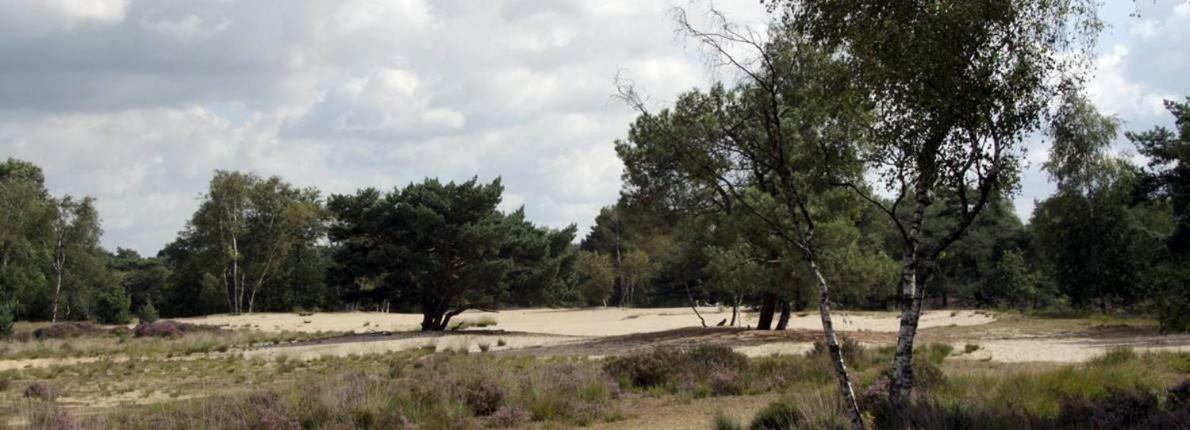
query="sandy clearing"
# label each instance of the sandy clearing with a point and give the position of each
(577, 322)
(1065, 350)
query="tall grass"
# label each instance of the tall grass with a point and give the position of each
(439, 391)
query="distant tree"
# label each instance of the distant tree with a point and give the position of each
(144, 279)
(1011, 282)
(596, 278)
(73, 247)
(736, 272)
(147, 313)
(445, 247)
(636, 269)
(113, 306)
(1167, 179)
(1092, 240)
(247, 226)
(963, 269)
(26, 215)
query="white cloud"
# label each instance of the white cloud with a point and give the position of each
(31, 18)
(1114, 93)
(184, 29)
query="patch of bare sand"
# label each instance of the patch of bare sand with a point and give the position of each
(578, 322)
(1066, 350)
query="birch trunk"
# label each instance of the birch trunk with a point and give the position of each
(836, 352)
(911, 298)
(59, 265)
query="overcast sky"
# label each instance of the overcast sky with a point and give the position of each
(138, 102)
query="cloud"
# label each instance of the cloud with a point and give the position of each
(137, 102)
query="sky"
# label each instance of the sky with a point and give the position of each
(138, 102)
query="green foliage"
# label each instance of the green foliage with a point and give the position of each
(244, 233)
(7, 318)
(444, 247)
(112, 306)
(596, 278)
(1011, 283)
(735, 271)
(147, 313)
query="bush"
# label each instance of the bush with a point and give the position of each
(41, 391)
(779, 415)
(67, 330)
(1118, 410)
(169, 328)
(113, 306)
(147, 313)
(701, 371)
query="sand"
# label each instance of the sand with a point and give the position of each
(578, 322)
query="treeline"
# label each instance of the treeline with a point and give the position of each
(260, 244)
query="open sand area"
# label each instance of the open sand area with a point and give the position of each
(599, 332)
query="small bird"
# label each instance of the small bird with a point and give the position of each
(722, 323)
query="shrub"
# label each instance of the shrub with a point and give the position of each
(68, 329)
(113, 306)
(483, 396)
(1118, 410)
(169, 328)
(779, 415)
(970, 347)
(147, 313)
(41, 391)
(157, 329)
(4, 384)
(701, 371)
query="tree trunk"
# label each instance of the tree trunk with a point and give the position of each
(735, 310)
(767, 309)
(912, 291)
(57, 294)
(59, 267)
(836, 353)
(693, 306)
(783, 321)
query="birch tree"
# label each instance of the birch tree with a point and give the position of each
(73, 241)
(248, 225)
(769, 134)
(957, 86)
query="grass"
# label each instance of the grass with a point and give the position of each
(25, 346)
(188, 383)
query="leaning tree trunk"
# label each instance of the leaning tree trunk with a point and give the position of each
(783, 321)
(836, 352)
